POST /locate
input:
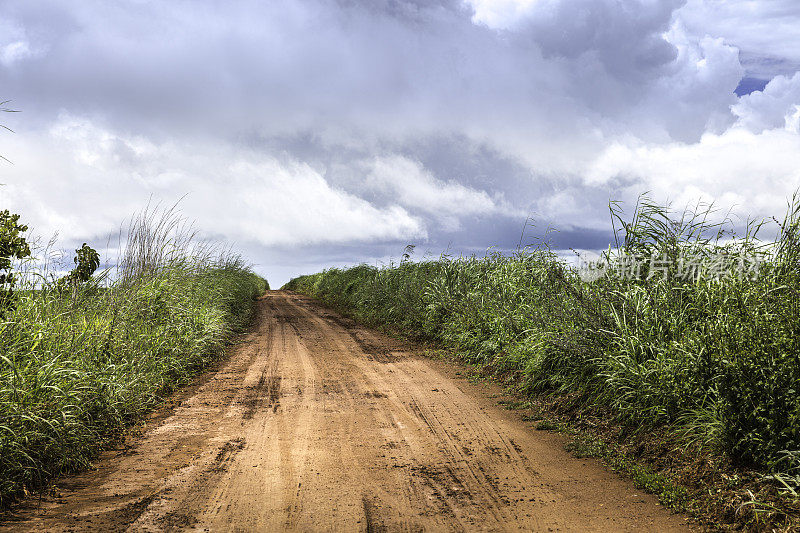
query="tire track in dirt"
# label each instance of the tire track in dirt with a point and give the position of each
(314, 423)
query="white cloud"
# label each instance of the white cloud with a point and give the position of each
(500, 14)
(793, 120)
(768, 109)
(764, 30)
(755, 172)
(414, 187)
(15, 45)
(696, 95)
(275, 203)
(94, 178)
(13, 52)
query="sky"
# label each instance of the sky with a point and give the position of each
(309, 134)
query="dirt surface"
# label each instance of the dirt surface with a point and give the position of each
(316, 424)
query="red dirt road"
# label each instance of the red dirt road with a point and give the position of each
(316, 424)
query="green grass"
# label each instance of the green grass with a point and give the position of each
(714, 357)
(78, 366)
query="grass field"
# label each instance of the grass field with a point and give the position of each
(684, 325)
(79, 364)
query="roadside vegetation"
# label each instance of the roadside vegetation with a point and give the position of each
(86, 354)
(685, 330)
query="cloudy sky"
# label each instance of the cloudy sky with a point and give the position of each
(314, 133)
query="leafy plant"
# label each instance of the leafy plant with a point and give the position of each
(86, 260)
(12, 246)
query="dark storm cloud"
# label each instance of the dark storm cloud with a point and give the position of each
(625, 36)
(393, 67)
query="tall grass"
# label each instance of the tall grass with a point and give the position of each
(673, 333)
(79, 364)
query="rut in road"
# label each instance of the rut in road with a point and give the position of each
(314, 423)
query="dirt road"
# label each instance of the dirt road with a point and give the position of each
(316, 424)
